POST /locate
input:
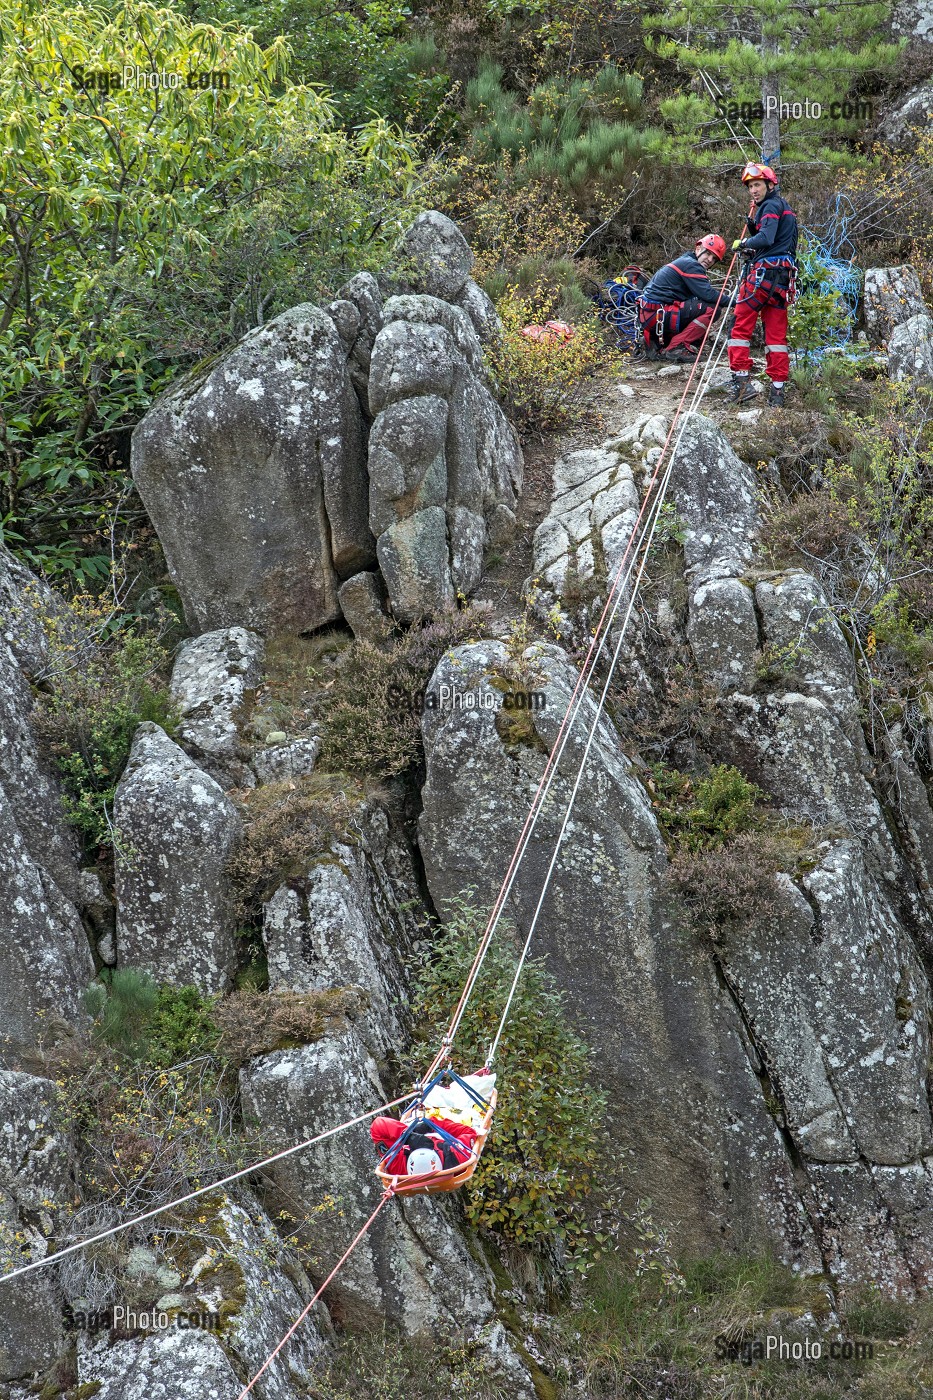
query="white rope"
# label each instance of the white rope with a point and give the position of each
(645, 547)
(193, 1195)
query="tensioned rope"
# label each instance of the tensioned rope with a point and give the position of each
(646, 540)
(386, 1197)
(645, 546)
(610, 609)
(645, 543)
(201, 1191)
(594, 653)
(619, 580)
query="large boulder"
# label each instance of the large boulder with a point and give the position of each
(237, 1291)
(211, 680)
(892, 295)
(689, 1119)
(340, 924)
(910, 350)
(254, 475)
(434, 257)
(582, 539)
(909, 117)
(176, 831)
(35, 1186)
(443, 460)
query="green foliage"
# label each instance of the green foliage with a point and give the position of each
(122, 1004)
(542, 383)
(541, 1159)
(142, 229)
(584, 136)
(101, 680)
(372, 719)
(161, 1026)
(369, 55)
(802, 54)
(699, 814)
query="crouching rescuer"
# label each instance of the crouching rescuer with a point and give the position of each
(767, 288)
(677, 305)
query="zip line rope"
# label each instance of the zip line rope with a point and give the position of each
(387, 1196)
(201, 1191)
(644, 547)
(610, 610)
(597, 645)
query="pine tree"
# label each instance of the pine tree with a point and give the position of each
(772, 70)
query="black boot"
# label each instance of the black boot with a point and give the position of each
(776, 396)
(741, 390)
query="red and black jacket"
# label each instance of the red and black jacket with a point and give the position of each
(772, 226)
(678, 281)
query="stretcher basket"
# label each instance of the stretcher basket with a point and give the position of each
(449, 1178)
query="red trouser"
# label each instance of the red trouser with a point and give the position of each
(693, 333)
(774, 320)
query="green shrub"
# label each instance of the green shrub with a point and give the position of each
(541, 1161)
(703, 813)
(161, 1026)
(542, 383)
(101, 681)
(143, 229)
(122, 1004)
(286, 827)
(372, 719)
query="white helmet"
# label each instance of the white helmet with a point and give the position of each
(422, 1161)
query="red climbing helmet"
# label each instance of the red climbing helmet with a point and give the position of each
(713, 244)
(754, 171)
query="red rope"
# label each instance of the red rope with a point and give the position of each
(589, 665)
(387, 1196)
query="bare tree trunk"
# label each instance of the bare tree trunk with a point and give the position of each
(771, 101)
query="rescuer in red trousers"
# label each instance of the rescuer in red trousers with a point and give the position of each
(767, 288)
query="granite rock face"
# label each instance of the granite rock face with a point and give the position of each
(211, 679)
(672, 1044)
(45, 959)
(35, 1185)
(910, 350)
(442, 458)
(177, 830)
(892, 295)
(254, 475)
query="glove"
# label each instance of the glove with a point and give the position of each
(739, 242)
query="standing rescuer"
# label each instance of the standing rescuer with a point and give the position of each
(767, 288)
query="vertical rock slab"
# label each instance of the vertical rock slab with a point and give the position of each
(689, 1117)
(892, 295)
(176, 830)
(35, 1174)
(45, 961)
(211, 679)
(443, 461)
(253, 473)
